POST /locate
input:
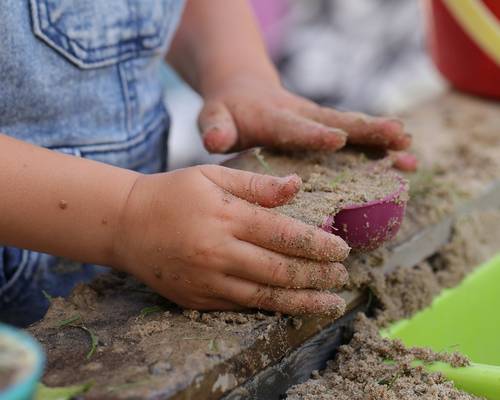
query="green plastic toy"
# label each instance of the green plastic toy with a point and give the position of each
(464, 319)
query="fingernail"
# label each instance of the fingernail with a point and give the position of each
(288, 177)
(337, 309)
(398, 122)
(293, 177)
(290, 183)
(339, 133)
(405, 141)
(215, 141)
(341, 274)
(339, 139)
(405, 162)
(339, 249)
(287, 188)
(330, 304)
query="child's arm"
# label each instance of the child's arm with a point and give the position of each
(219, 51)
(219, 40)
(60, 204)
(189, 234)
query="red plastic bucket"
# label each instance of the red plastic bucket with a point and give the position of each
(464, 40)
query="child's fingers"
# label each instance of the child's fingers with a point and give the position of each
(288, 236)
(404, 161)
(362, 129)
(265, 190)
(288, 301)
(217, 127)
(284, 129)
(259, 265)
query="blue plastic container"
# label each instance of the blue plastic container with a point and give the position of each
(16, 346)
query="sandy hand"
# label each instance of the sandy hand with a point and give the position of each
(248, 112)
(203, 238)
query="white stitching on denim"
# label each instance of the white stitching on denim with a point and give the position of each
(41, 32)
(124, 86)
(151, 126)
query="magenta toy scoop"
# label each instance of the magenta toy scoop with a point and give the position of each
(367, 226)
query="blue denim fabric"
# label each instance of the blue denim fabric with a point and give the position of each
(81, 77)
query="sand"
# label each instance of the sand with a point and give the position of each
(358, 371)
(330, 181)
(146, 344)
(458, 145)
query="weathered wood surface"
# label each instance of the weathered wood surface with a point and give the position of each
(275, 352)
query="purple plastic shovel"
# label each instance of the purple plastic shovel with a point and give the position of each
(367, 226)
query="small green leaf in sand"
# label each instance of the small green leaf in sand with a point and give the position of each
(338, 180)
(150, 310)
(76, 322)
(93, 341)
(69, 321)
(61, 392)
(390, 382)
(212, 346)
(47, 296)
(262, 161)
(422, 182)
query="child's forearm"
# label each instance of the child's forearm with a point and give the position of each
(216, 40)
(149, 226)
(60, 204)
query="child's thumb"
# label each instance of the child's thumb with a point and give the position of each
(265, 190)
(217, 127)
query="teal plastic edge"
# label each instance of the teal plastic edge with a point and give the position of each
(25, 388)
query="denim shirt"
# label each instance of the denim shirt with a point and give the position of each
(80, 77)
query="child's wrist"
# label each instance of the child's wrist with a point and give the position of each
(212, 83)
(115, 251)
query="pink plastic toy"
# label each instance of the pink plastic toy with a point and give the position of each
(367, 226)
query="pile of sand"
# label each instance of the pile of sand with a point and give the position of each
(359, 370)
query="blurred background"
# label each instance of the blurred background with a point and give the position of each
(365, 55)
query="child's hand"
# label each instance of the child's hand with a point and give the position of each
(246, 112)
(195, 237)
